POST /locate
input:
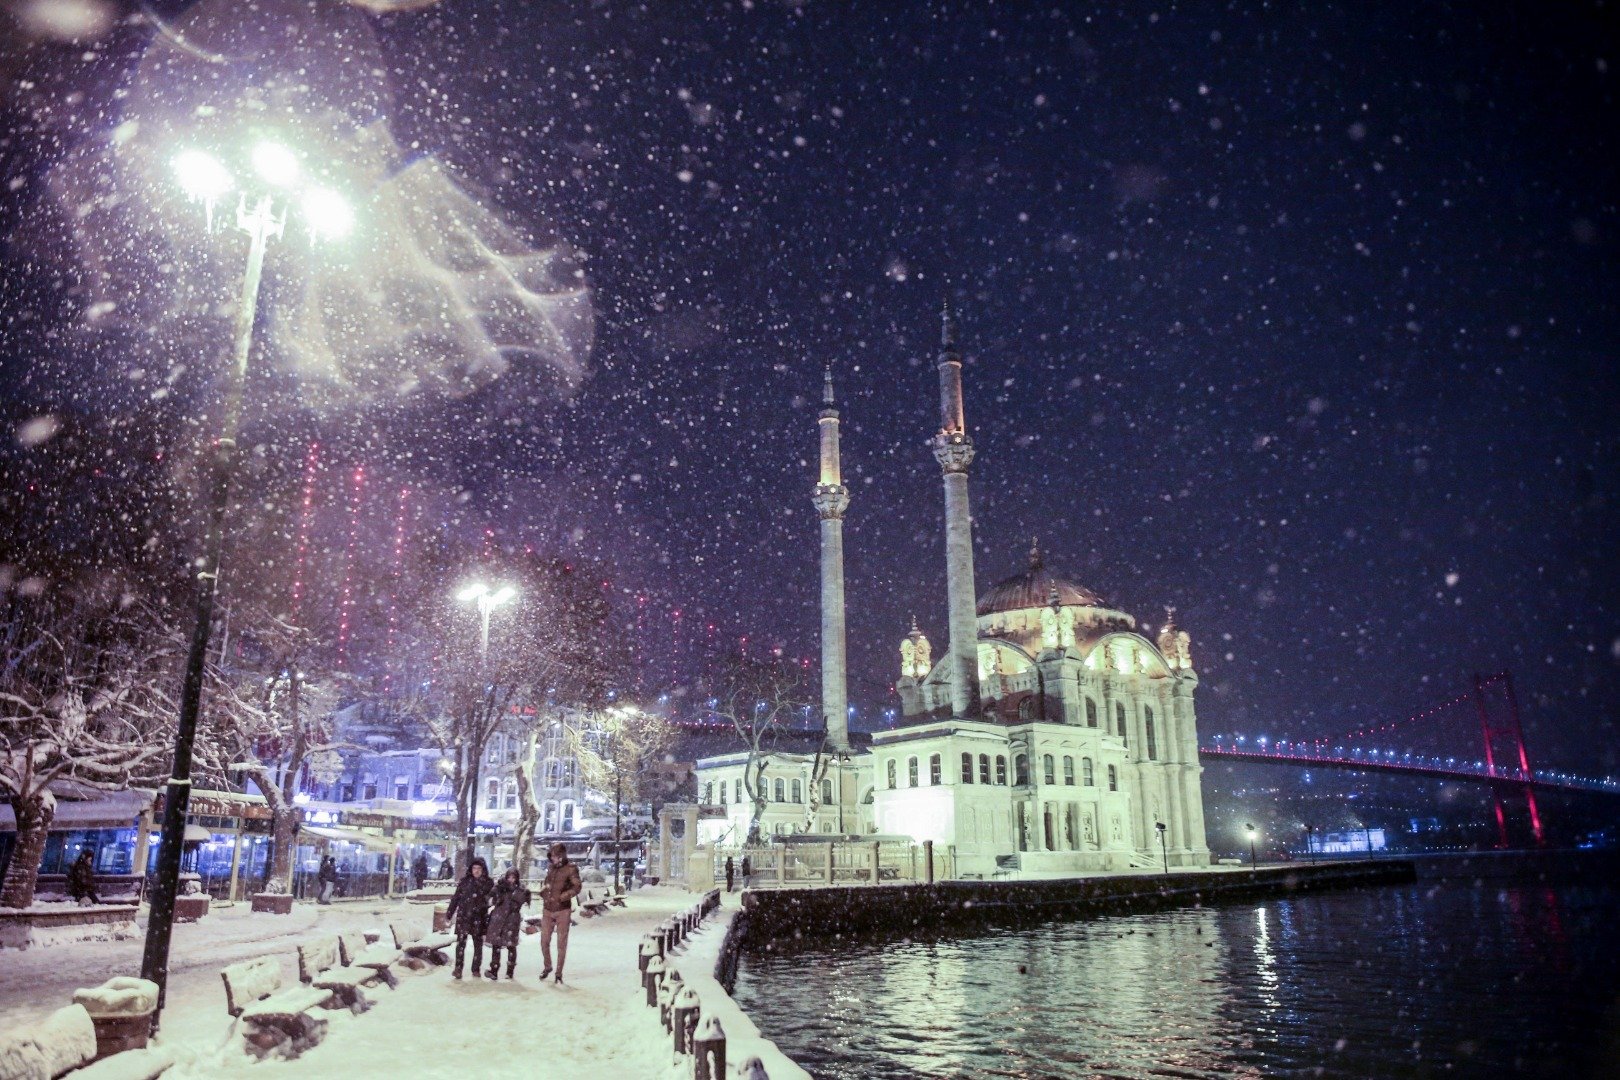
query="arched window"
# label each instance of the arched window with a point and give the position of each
(1119, 717)
(708, 793)
(492, 795)
(826, 793)
(936, 770)
(798, 791)
(1048, 769)
(984, 768)
(1147, 733)
(891, 774)
(1020, 770)
(911, 772)
(1091, 713)
(1068, 771)
(778, 789)
(1001, 769)
(549, 818)
(723, 787)
(1088, 775)
(1113, 778)
(568, 817)
(1026, 710)
(967, 768)
(737, 790)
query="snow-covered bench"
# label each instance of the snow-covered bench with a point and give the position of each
(595, 899)
(110, 888)
(319, 966)
(276, 1021)
(64, 1044)
(419, 947)
(379, 959)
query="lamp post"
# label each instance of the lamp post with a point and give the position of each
(1310, 848)
(1253, 833)
(487, 600)
(1163, 848)
(275, 182)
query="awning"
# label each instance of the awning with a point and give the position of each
(197, 834)
(115, 810)
(351, 836)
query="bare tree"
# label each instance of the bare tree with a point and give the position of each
(758, 696)
(86, 675)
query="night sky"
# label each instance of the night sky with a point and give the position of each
(1299, 317)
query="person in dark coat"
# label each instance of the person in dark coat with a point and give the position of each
(505, 920)
(731, 872)
(447, 870)
(327, 876)
(747, 869)
(419, 869)
(557, 907)
(81, 878)
(470, 908)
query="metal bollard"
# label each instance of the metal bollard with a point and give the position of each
(649, 949)
(666, 1001)
(684, 1018)
(709, 1050)
(753, 1069)
(652, 977)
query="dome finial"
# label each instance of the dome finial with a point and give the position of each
(1036, 561)
(1169, 616)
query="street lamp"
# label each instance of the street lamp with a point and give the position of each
(487, 599)
(264, 195)
(1310, 849)
(1253, 833)
(1163, 849)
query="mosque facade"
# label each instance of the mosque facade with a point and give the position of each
(1051, 735)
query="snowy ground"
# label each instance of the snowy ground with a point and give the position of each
(431, 1026)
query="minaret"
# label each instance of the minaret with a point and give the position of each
(832, 499)
(953, 449)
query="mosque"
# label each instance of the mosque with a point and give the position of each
(1051, 735)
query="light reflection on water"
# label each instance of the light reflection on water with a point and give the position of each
(1412, 981)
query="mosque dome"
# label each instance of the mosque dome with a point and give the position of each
(1033, 588)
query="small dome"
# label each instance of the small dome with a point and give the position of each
(1033, 589)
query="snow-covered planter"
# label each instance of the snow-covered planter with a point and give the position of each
(273, 903)
(190, 908)
(50, 924)
(121, 1010)
(57, 1044)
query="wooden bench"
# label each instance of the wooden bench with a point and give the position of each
(595, 899)
(421, 949)
(64, 1044)
(278, 1021)
(379, 959)
(319, 965)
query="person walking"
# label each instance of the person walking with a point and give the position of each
(447, 869)
(747, 869)
(419, 869)
(557, 907)
(81, 879)
(470, 908)
(327, 877)
(505, 920)
(731, 872)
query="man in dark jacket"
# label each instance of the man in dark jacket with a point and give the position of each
(505, 920)
(419, 869)
(557, 907)
(327, 877)
(731, 872)
(470, 908)
(81, 878)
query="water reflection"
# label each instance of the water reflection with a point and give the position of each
(1389, 982)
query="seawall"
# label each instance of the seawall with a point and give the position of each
(924, 909)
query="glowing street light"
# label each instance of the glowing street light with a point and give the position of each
(488, 600)
(261, 213)
(1254, 834)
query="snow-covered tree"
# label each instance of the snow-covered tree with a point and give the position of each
(758, 696)
(87, 679)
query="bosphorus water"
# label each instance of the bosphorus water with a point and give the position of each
(1461, 977)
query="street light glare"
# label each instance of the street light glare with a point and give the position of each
(471, 593)
(327, 214)
(503, 594)
(201, 175)
(276, 164)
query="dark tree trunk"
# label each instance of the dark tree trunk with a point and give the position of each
(34, 815)
(282, 846)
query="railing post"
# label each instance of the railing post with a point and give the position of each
(753, 1069)
(928, 859)
(684, 1018)
(877, 860)
(649, 950)
(652, 978)
(709, 1050)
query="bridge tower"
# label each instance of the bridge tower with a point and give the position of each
(1512, 730)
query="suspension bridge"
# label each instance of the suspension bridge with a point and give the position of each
(1500, 759)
